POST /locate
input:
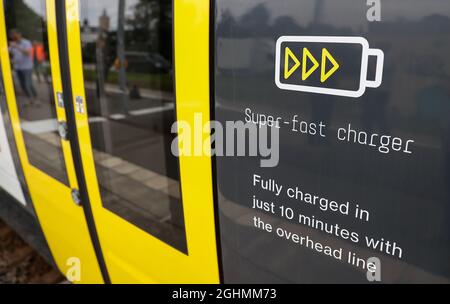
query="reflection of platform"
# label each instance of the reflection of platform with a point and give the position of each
(45, 155)
(41, 132)
(120, 167)
(145, 93)
(144, 197)
(131, 148)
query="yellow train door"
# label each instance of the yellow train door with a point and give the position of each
(35, 98)
(153, 211)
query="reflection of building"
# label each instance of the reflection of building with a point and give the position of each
(88, 33)
(103, 21)
(91, 34)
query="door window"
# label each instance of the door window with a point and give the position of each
(128, 74)
(30, 63)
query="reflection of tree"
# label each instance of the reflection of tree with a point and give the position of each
(256, 20)
(150, 27)
(144, 15)
(286, 25)
(436, 24)
(20, 16)
(227, 24)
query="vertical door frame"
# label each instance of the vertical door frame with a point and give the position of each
(65, 239)
(191, 34)
(63, 19)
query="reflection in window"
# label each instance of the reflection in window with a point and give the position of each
(128, 72)
(30, 63)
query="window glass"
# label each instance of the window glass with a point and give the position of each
(360, 192)
(26, 25)
(128, 73)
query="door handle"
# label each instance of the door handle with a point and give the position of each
(63, 130)
(76, 197)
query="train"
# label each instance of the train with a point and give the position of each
(114, 113)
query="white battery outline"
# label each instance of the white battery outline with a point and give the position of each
(364, 82)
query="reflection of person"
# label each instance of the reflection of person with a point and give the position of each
(38, 59)
(22, 57)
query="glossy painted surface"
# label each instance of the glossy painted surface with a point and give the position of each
(9, 180)
(134, 255)
(62, 221)
(407, 194)
(131, 109)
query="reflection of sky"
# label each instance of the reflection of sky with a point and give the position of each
(92, 10)
(37, 6)
(337, 12)
(334, 12)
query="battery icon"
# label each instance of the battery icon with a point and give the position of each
(329, 65)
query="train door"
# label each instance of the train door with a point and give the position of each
(153, 211)
(9, 180)
(33, 89)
